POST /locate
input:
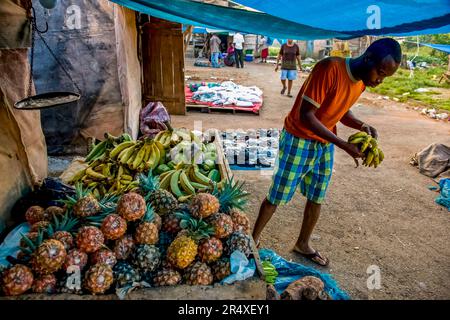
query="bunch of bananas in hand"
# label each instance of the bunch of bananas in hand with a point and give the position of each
(270, 272)
(368, 145)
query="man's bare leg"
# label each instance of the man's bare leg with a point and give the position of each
(310, 217)
(283, 82)
(265, 213)
(289, 88)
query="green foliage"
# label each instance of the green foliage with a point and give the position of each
(273, 51)
(427, 54)
(401, 83)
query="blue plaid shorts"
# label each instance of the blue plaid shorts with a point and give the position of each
(305, 163)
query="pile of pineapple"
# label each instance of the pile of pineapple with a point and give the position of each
(140, 239)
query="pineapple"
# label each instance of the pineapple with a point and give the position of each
(125, 274)
(53, 211)
(147, 231)
(146, 257)
(62, 230)
(221, 269)
(240, 220)
(198, 274)
(124, 247)
(223, 225)
(113, 226)
(98, 278)
(209, 250)
(157, 220)
(34, 214)
(44, 284)
(231, 196)
(183, 250)
(167, 277)
(131, 206)
(165, 239)
(162, 200)
(84, 204)
(47, 256)
(17, 280)
(204, 205)
(90, 239)
(239, 241)
(40, 225)
(63, 285)
(76, 257)
(30, 235)
(29, 245)
(171, 223)
(104, 256)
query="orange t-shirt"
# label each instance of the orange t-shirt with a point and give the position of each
(332, 89)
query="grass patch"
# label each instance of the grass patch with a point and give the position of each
(400, 84)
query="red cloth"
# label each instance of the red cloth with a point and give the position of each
(188, 94)
(264, 53)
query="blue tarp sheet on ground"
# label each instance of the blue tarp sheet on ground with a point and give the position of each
(360, 17)
(444, 198)
(440, 47)
(289, 272)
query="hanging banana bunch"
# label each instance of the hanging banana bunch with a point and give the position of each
(368, 145)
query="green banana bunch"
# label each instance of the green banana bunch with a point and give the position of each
(270, 272)
(106, 146)
(373, 155)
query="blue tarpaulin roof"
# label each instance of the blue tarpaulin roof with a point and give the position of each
(305, 19)
(218, 17)
(440, 47)
(397, 17)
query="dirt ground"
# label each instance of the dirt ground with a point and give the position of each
(385, 217)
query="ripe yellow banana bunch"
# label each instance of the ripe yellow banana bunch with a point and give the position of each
(369, 146)
(139, 155)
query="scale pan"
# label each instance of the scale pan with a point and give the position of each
(46, 100)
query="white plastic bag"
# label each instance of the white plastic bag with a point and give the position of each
(241, 268)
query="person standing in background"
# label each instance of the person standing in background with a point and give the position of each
(230, 59)
(214, 45)
(239, 42)
(290, 56)
(264, 50)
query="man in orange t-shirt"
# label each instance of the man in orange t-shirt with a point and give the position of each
(306, 148)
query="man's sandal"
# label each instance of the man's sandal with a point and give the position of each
(313, 257)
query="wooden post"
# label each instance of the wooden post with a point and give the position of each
(187, 34)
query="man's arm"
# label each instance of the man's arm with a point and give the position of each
(308, 116)
(351, 121)
(280, 54)
(299, 61)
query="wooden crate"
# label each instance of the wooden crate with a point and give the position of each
(223, 109)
